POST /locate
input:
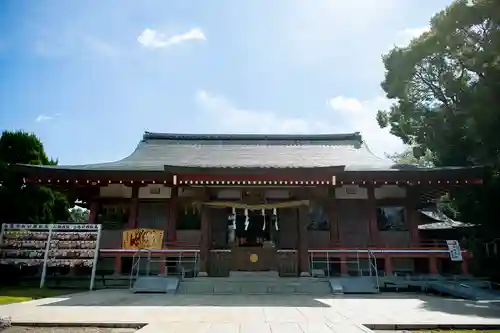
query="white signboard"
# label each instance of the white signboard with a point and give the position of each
(455, 250)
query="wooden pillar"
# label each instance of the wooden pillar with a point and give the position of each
(333, 219)
(163, 262)
(412, 214)
(344, 267)
(303, 241)
(172, 217)
(433, 265)
(372, 217)
(388, 265)
(93, 210)
(134, 207)
(118, 264)
(465, 267)
(205, 240)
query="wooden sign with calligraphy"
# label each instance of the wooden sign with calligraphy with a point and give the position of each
(142, 239)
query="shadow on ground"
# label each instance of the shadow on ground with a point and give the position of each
(461, 307)
(433, 303)
(126, 298)
(380, 303)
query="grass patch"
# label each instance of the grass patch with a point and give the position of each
(19, 294)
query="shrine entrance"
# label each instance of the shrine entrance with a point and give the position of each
(253, 248)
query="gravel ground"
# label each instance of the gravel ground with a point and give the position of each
(31, 329)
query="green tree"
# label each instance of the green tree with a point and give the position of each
(446, 86)
(79, 214)
(423, 159)
(21, 202)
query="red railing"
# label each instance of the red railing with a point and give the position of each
(422, 244)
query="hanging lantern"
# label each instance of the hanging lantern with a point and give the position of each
(247, 220)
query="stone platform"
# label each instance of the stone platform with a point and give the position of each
(253, 313)
(254, 283)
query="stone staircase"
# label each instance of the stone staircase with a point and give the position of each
(156, 284)
(354, 285)
(255, 283)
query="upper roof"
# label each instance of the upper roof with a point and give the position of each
(157, 151)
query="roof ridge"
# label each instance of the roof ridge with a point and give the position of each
(356, 136)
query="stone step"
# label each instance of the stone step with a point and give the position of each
(354, 285)
(155, 284)
(234, 286)
(253, 275)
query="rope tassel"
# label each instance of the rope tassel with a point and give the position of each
(264, 219)
(247, 220)
(234, 218)
(275, 214)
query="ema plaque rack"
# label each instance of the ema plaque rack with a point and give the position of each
(51, 245)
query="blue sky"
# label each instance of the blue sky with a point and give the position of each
(89, 77)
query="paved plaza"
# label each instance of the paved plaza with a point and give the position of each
(255, 313)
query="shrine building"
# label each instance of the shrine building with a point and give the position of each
(264, 203)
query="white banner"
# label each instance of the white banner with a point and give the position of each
(455, 250)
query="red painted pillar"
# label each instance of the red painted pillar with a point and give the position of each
(465, 267)
(133, 208)
(303, 241)
(372, 217)
(344, 267)
(172, 217)
(412, 214)
(332, 216)
(433, 265)
(205, 241)
(93, 210)
(118, 264)
(162, 263)
(388, 265)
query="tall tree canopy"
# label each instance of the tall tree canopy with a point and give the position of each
(446, 87)
(26, 203)
(425, 159)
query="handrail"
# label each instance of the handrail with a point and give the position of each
(328, 260)
(136, 264)
(360, 273)
(391, 250)
(371, 256)
(153, 251)
(494, 244)
(423, 243)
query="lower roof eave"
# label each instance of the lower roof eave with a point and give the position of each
(472, 175)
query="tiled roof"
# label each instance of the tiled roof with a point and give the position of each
(442, 221)
(157, 150)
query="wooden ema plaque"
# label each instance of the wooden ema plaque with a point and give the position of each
(142, 239)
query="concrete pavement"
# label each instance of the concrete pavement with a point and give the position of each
(252, 313)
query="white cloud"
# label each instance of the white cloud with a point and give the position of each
(153, 39)
(238, 120)
(43, 117)
(310, 32)
(415, 32)
(69, 44)
(351, 115)
(359, 116)
(405, 36)
(100, 47)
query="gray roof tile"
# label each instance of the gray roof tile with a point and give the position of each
(158, 150)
